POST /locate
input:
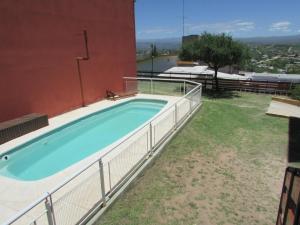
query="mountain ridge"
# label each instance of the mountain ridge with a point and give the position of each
(175, 43)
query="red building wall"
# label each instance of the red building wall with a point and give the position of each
(39, 43)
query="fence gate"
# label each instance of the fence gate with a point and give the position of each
(289, 207)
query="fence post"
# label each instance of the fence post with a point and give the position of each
(109, 175)
(175, 125)
(50, 213)
(191, 100)
(151, 142)
(200, 96)
(102, 181)
(184, 88)
(151, 86)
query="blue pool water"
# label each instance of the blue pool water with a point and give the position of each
(60, 148)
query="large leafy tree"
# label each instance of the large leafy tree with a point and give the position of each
(216, 51)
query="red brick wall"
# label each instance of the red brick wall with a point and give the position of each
(39, 43)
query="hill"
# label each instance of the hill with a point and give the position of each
(165, 43)
(175, 43)
(285, 40)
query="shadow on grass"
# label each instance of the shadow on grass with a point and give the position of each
(222, 94)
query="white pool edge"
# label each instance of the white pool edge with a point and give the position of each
(183, 106)
(13, 190)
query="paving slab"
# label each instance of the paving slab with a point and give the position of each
(282, 109)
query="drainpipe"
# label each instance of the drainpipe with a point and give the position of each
(78, 59)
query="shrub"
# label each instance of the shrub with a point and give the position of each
(295, 93)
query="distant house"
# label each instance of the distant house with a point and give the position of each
(44, 45)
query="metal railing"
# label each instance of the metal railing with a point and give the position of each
(261, 86)
(75, 200)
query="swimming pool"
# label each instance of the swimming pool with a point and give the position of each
(67, 145)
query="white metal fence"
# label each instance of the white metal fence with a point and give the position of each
(73, 201)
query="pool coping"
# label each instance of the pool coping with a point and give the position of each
(17, 194)
(62, 126)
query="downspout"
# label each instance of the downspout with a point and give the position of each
(78, 59)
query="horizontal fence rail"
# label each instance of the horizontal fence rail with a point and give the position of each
(209, 83)
(78, 198)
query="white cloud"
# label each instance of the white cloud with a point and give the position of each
(222, 27)
(245, 26)
(283, 26)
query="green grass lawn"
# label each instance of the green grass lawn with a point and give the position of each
(225, 166)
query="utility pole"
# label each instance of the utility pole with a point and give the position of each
(183, 17)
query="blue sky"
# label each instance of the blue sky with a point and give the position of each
(240, 18)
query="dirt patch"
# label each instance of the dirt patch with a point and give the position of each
(222, 191)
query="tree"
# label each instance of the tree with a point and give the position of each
(216, 51)
(187, 52)
(154, 52)
(295, 93)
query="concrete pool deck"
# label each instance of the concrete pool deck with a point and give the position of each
(282, 109)
(15, 195)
